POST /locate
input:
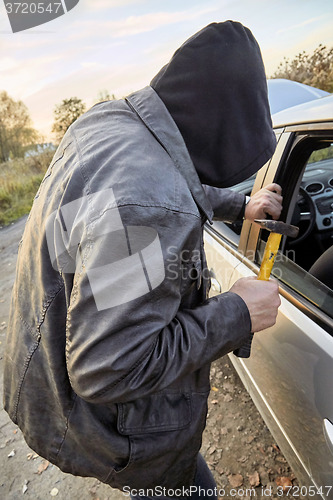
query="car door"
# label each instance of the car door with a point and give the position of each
(290, 371)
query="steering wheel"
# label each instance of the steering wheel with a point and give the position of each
(309, 216)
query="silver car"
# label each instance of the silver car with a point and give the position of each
(289, 374)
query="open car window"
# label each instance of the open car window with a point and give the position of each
(306, 264)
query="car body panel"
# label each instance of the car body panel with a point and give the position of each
(291, 363)
(320, 110)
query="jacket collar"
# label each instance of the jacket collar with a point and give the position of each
(152, 111)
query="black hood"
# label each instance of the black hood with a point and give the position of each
(215, 89)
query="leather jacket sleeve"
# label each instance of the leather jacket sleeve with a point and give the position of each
(121, 347)
(227, 204)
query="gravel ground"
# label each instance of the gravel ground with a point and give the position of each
(237, 445)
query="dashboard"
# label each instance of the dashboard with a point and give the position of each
(318, 183)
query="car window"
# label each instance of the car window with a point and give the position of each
(306, 263)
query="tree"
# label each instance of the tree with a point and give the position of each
(314, 69)
(16, 132)
(104, 95)
(65, 114)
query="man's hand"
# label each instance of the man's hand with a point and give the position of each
(262, 300)
(266, 201)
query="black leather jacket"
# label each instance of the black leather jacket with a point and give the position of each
(110, 343)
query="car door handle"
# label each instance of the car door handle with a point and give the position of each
(328, 431)
(215, 284)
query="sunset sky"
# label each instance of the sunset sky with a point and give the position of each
(119, 45)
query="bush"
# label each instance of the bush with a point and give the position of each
(314, 69)
(19, 182)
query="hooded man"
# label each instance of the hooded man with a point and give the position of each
(111, 334)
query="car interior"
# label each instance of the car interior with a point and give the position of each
(313, 213)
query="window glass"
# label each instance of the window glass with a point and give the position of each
(298, 279)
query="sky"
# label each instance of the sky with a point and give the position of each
(119, 45)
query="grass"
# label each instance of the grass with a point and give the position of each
(19, 182)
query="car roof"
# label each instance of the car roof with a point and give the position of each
(319, 110)
(283, 93)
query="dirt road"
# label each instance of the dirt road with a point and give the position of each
(237, 445)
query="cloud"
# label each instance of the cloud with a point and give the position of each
(98, 5)
(300, 25)
(89, 64)
(7, 64)
(19, 79)
(135, 25)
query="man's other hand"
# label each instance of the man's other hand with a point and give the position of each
(262, 300)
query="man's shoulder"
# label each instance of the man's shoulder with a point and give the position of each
(117, 151)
